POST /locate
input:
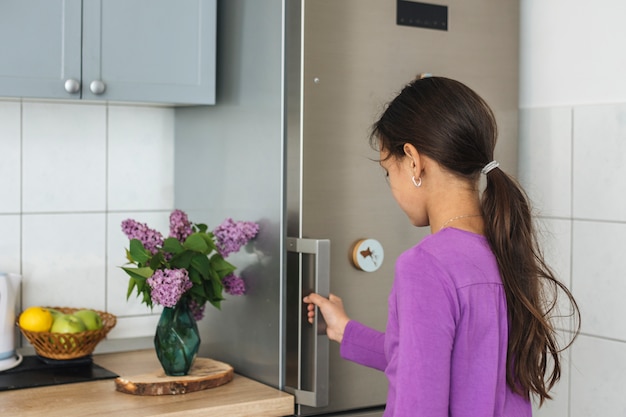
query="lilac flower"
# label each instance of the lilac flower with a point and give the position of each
(180, 226)
(168, 285)
(197, 310)
(234, 285)
(151, 239)
(231, 236)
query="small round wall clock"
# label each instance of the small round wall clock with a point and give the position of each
(368, 255)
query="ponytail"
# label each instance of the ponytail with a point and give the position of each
(528, 283)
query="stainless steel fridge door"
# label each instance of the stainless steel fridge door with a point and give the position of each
(344, 60)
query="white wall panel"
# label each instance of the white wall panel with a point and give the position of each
(571, 52)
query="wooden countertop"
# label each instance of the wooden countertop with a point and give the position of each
(240, 397)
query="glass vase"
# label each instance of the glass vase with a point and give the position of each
(177, 339)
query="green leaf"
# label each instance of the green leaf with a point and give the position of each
(201, 227)
(147, 299)
(157, 261)
(131, 287)
(138, 252)
(130, 258)
(218, 287)
(138, 277)
(209, 240)
(196, 243)
(195, 277)
(222, 266)
(198, 291)
(140, 285)
(201, 264)
(140, 273)
(172, 245)
(182, 260)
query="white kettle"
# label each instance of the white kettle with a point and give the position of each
(9, 288)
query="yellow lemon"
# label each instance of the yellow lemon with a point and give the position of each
(36, 319)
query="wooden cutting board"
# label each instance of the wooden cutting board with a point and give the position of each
(204, 373)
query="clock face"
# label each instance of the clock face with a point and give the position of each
(368, 255)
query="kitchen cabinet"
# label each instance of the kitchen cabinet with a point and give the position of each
(112, 50)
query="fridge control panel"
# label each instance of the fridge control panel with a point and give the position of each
(422, 15)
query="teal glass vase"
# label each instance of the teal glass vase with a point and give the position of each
(177, 339)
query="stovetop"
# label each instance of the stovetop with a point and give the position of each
(36, 371)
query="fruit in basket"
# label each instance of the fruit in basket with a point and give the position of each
(36, 319)
(67, 323)
(55, 313)
(68, 339)
(92, 320)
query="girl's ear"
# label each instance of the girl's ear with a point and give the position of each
(413, 158)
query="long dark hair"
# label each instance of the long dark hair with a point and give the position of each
(448, 122)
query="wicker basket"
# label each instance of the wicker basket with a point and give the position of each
(63, 346)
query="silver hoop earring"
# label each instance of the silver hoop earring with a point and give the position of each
(418, 182)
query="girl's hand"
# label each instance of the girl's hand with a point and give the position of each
(333, 312)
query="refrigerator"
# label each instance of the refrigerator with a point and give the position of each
(299, 84)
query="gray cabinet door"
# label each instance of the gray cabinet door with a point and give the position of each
(149, 50)
(154, 51)
(39, 47)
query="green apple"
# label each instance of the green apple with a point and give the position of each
(67, 323)
(55, 313)
(92, 320)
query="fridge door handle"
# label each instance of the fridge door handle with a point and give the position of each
(318, 395)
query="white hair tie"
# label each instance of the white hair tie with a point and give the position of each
(489, 167)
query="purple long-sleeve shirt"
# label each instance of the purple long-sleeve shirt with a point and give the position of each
(444, 350)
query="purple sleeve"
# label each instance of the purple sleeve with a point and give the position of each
(363, 345)
(421, 365)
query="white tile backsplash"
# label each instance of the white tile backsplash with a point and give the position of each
(573, 166)
(545, 159)
(10, 238)
(10, 167)
(556, 241)
(63, 259)
(64, 157)
(130, 327)
(71, 172)
(141, 158)
(599, 277)
(600, 162)
(597, 378)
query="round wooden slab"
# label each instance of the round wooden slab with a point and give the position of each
(204, 373)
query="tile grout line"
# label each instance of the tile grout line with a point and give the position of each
(106, 208)
(21, 212)
(571, 257)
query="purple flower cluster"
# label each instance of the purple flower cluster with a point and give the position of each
(180, 226)
(197, 310)
(231, 236)
(151, 239)
(168, 285)
(234, 285)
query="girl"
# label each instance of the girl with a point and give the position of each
(468, 331)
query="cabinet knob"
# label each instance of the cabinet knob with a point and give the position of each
(97, 87)
(72, 86)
